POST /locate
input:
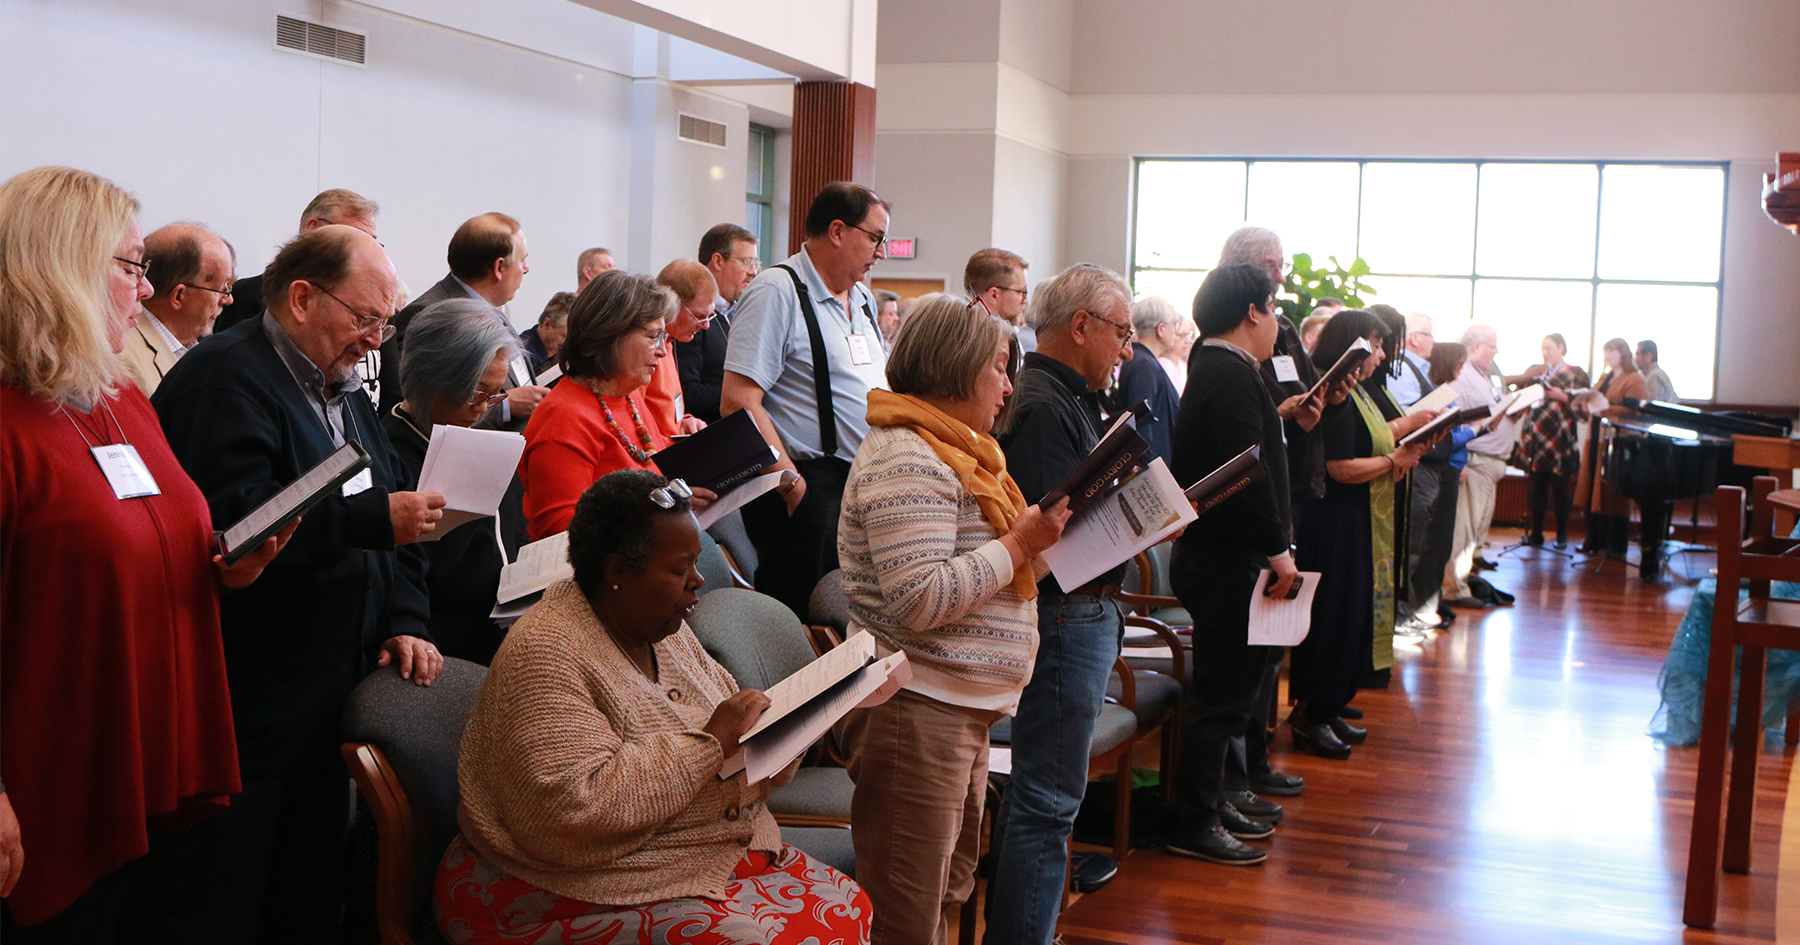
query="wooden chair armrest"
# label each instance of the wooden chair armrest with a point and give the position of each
(1127, 683)
(1168, 637)
(822, 638)
(395, 894)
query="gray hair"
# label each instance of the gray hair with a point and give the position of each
(943, 346)
(1083, 287)
(1151, 313)
(884, 296)
(448, 346)
(1248, 245)
(1478, 334)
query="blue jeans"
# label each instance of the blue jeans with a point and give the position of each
(1079, 639)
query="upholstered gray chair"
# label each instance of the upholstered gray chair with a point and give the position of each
(760, 642)
(712, 566)
(739, 552)
(828, 612)
(401, 742)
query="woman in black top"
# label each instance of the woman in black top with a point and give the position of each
(1348, 537)
(452, 371)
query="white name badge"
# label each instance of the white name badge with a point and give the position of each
(1284, 369)
(360, 482)
(519, 372)
(859, 349)
(125, 471)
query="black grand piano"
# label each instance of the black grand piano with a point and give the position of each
(1665, 451)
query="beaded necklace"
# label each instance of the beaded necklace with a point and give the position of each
(640, 455)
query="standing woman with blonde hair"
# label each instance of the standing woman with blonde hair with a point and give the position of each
(115, 720)
(937, 546)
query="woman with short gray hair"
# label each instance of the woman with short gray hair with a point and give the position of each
(937, 546)
(453, 369)
(1168, 333)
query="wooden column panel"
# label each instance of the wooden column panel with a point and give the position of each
(834, 139)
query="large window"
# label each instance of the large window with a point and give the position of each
(759, 197)
(1590, 250)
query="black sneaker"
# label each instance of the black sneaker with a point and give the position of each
(1248, 804)
(1215, 845)
(1277, 784)
(1090, 872)
(1241, 827)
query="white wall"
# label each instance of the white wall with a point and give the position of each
(1535, 79)
(460, 111)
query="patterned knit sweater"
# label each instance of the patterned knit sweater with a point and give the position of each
(581, 776)
(925, 573)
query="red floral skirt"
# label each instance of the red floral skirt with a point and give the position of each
(770, 900)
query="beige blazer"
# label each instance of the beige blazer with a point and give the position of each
(149, 356)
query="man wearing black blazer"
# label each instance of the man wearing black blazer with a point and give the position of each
(729, 253)
(246, 414)
(487, 262)
(1216, 563)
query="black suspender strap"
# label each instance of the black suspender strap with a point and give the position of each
(1425, 385)
(821, 367)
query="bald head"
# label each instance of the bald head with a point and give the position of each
(488, 254)
(1482, 342)
(333, 289)
(192, 279)
(693, 284)
(1419, 339)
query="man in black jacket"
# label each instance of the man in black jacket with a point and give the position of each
(246, 414)
(729, 252)
(1217, 561)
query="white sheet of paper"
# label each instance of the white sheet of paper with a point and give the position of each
(549, 374)
(125, 471)
(1285, 372)
(999, 760)
(540, 564)
(1132, 516)
(1522, 399)
(1591, 401)
(361, 482)
(472, 468)
(1281, 622)
(1442, 396)
(736, 498)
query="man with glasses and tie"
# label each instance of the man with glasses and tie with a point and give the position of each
(248, 413)
(193, 281)
(729, 252)
(803, 355)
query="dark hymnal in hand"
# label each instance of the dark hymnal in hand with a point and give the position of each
(1117, 453)
(549, 374)
(292, 501)
(1344, 367)
(1228, 480)
(723, 455)
(1446, 421)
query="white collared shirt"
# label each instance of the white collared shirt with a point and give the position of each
(168, 337)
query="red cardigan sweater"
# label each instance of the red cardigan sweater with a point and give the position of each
(569, 446)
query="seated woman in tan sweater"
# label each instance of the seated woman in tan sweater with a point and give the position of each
(591, 806)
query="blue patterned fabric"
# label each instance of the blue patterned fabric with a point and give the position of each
(1683, 680)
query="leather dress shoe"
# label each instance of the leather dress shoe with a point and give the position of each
(1472, 603)
(1347, 733)
(1350, 712)
(1216, 845)
(1241, 827)
(1250, 805)
(1276, 784)
(1483, 564)
(1318, 738)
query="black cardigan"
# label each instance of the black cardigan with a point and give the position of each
(1225, 410)
(299, 639)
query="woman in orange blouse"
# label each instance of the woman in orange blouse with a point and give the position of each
(595, 420)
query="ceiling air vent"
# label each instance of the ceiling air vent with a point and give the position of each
(701, 131)
(324, 42)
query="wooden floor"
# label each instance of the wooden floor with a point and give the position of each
(1508, 793)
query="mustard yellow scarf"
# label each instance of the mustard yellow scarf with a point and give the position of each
(976, 459)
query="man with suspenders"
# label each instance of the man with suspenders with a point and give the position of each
(803, 354)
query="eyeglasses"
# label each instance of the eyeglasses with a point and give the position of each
(224, 291)
(667, 495)
(482, 398)
(139, 266)
(1126, 333)
(1023, 294)
(365, 324)
(879, 238)
(656, 340)
(748, 262)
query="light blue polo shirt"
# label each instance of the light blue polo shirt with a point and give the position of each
(769, 345)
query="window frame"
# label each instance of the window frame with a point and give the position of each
(762, 138)
(1594, 281)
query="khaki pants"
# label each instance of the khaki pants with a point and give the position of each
(1474, 514)
(920, 768)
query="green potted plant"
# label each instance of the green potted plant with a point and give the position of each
(1306, 284)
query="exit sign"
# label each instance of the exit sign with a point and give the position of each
(902, 248)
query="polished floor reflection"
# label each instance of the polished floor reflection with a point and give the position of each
(1508, 793)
